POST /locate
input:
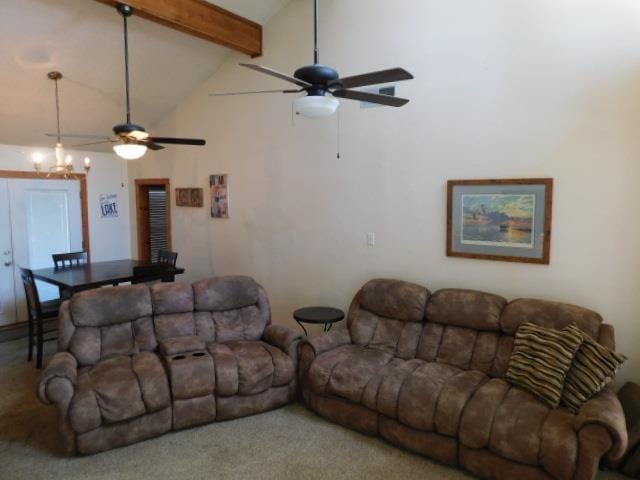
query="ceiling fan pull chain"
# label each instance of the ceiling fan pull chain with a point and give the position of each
(338, 135)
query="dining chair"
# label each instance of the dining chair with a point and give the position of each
(37, 312)
(64, 260)
(164, 256)
(151, 273)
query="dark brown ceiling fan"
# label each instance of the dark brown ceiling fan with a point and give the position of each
(321, 83)
(130, 141)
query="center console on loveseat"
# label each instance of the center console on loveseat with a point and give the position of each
(136, 361)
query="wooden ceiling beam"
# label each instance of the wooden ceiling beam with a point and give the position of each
(201, 19)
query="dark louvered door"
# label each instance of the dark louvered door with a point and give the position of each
(158, 221)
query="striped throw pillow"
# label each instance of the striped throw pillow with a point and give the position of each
(541, 358)
(593, 367)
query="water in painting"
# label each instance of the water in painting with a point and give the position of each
(498, 220)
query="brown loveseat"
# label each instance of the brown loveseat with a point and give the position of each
(137, 361)
(425, 371)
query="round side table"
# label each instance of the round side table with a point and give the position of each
(318, 315)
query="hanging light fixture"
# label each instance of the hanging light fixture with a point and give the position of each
(64, 163)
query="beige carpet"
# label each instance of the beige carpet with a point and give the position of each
(289, 443)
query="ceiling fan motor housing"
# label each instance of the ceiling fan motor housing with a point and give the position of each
(321, 78)
(126, 128)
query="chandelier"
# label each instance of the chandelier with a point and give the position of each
(64, 162)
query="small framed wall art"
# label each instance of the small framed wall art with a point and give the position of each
(189, 197)
(219, 196)
(508, 220)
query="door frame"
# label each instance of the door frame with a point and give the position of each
(84, 208)
(142, 213)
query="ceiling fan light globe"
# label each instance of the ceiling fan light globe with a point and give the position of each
(130, 151)
(316, 106)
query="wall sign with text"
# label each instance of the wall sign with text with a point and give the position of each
(109, 205)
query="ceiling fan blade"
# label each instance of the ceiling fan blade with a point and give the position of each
(375, 78)
(79, 135)
(175, 141)
(371, 98)
(152, 146)
(92, 143)
(222, 94)
(275, 73)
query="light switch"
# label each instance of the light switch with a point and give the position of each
(371, 239)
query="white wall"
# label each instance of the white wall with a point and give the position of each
(503, 89)
(109, 237)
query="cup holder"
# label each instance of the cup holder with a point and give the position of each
(199, 354)
(179, 357)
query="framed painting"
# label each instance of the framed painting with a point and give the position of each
(189, 197)
(219, 196)
(508, 220)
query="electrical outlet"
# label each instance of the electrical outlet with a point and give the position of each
(371, 239)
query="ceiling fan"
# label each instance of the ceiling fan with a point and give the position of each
(322, 83)
(130, 141)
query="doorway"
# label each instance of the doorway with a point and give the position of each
(153, 217)
(38, 216)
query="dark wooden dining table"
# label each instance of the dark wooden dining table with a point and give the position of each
(93, 275)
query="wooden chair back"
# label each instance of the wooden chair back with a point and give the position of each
(167, 257)
(71, 259)
(31, 293)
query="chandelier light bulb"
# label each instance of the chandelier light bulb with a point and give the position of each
(68, 160)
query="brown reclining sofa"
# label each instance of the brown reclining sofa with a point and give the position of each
(424, 371)
(135, 361)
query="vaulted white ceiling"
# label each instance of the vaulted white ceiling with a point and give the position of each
(83, 40)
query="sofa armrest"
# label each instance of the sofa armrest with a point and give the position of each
(605, 410)
(323, 342)
(281, 336)
(58, 380)
(314, 345)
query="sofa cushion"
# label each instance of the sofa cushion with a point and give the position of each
(433, 396)
(249, 367)
(170, 297)
(549, 314)
(225, 293)
(593, 366)
(394, 299)
(541, 359)
(466, 308)
(106, 306)
(118, 389)
(345, 371)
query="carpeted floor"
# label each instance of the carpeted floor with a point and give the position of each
(289, 443)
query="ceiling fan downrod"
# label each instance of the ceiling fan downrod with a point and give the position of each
(126, 11)
(316, 50)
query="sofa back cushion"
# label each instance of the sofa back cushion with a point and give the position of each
(230, 308)
(549, 314)
(388, 315)
(475, 330)
(106, 322)
(463, 329)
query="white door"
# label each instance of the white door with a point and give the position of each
(7, 284)
(45, 219)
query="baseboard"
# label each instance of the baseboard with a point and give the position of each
(21, 330)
